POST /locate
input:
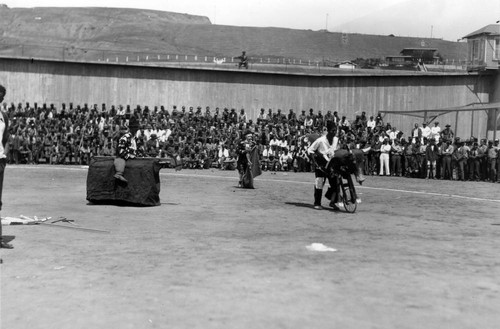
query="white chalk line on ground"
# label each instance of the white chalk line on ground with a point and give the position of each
(269, 180)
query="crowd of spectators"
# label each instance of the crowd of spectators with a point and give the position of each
(209, 138)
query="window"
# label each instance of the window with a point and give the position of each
(475, 50)
(496, 48)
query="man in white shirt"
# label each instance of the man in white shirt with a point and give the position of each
(4, 149)
(436, 132)
(321, 151)
(371, 123)
(426, 131)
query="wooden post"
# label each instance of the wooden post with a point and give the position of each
(495, 125)
(425, 116)
(486, 133)
(472, 124)
(456, 124)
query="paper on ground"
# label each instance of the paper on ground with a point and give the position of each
(319, 247)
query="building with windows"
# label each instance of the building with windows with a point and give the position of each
(484, 48)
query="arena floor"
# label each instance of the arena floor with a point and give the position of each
(416, 254)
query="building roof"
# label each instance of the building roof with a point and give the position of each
(420, 48)
(492, 29)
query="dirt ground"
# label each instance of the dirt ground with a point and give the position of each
(416, 254)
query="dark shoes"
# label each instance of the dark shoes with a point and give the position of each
(334, 206)
(6, 245)
(120, 178)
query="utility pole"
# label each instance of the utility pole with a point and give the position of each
(326, 23)
(432, 28)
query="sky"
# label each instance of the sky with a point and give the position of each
(444, 19)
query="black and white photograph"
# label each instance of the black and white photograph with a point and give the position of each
(265, 164)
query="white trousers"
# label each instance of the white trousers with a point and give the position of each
(384, 163)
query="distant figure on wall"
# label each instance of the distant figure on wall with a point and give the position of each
(243, 60)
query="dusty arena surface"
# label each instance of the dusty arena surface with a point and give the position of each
(416, 254)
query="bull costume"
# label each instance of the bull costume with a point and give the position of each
(127, 148)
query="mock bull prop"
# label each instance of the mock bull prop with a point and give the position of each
(143, 181)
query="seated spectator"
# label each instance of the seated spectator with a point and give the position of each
(84, 153)
(223, 155)
(285, 160)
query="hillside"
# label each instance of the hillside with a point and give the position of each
(86, 31)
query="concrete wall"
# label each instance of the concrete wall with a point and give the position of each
(64, 82)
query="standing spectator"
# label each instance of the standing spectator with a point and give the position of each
(492, 160)
(436, 132)
(431, 156)
(483, 159)
(462, 157)
(447, 150)
(426, 131)
(396, 153)
(498, 161)
(416, 133)
(474, 162)
(16, 145)
(447, 133)
(385, 148)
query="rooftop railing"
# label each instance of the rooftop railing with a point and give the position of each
(278, 63)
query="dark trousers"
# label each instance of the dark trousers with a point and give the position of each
(474, 169)
(462, 169)
(447, 169)
(396, 164)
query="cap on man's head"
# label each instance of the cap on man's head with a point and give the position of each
(448, 125)
(436, 123)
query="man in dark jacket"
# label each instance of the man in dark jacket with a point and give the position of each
(4, 134)
(431, 155)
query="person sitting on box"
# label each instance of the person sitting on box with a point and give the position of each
(127, 148)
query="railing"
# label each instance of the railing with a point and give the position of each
(73, 54)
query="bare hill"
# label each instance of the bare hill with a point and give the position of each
(135, 30)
